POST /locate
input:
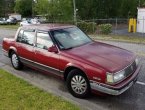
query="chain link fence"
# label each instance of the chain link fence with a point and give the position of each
(119, 26)
(119, 33)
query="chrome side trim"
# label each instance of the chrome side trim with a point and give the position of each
(39, 63)
(101, 84)
(41, 66)
(5, 52)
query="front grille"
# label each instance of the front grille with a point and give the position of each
(130, 69)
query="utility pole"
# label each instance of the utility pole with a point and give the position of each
(139, 3)
(33, 4)
(75, 12)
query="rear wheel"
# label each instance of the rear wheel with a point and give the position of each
(78, 84)
(16, 63)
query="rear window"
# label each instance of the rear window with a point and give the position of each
(26, 37)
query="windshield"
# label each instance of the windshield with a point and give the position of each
(70, 37)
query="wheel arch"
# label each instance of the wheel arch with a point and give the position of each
(12, 49)
(70, 68)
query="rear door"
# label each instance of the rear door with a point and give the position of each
(25, 44)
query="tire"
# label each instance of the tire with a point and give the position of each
(16, 63)
(78, 84)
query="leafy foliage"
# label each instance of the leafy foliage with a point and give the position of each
(62, 10)
(105, 28)
(1, 7)
(88, 27)
(55, 10)
(89, 9)
(6, 7)
(24, 7)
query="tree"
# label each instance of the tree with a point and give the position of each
(1, 8)
(55, 9)
(89, 9)
(86, 9)
(6, 7)
(24, 7)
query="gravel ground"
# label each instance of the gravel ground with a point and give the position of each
(6, 33)
(137, 48)
(124, 32)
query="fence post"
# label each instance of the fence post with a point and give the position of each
(93, 26)
(143, 28)
(116, 26)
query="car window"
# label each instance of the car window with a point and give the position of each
(19, 37)
(26, 37)
(43, 40)
(70, 37)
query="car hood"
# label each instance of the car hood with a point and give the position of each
(104, 55)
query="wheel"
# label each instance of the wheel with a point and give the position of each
(78, 84)
(16, 63)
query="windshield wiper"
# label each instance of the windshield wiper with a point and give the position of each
(68, 48)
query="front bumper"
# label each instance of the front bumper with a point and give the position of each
(118, 88)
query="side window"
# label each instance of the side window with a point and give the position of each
(19, 37)
(26, 37)
(43, 40)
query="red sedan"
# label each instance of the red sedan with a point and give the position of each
(64, 50)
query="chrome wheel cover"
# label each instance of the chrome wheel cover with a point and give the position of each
(15, 60)
(78, 84)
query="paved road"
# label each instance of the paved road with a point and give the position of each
(139, 49)
(126, 33)
(133, 99)
(6, 33)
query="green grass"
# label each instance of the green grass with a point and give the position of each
(16, 94)
(9, 26)
(131, 39)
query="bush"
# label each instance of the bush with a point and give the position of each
(105, 28)
(87, 27)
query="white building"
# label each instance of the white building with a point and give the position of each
(141, 20)
(15, 15)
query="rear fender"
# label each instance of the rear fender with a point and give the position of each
(12, 49)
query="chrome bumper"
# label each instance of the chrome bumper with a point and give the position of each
(97, 87)
(115, 90)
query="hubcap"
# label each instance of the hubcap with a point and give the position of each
(78, 84)
(15, 60)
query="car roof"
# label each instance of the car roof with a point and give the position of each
(47, 27)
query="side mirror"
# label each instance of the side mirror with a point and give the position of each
(53, 49)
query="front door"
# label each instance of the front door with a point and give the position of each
(47, 61)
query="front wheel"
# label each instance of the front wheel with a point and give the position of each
(78, 84)
(16, 63)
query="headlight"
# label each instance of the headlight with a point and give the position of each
(119, 76)
(110, 78)
(113, 78)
